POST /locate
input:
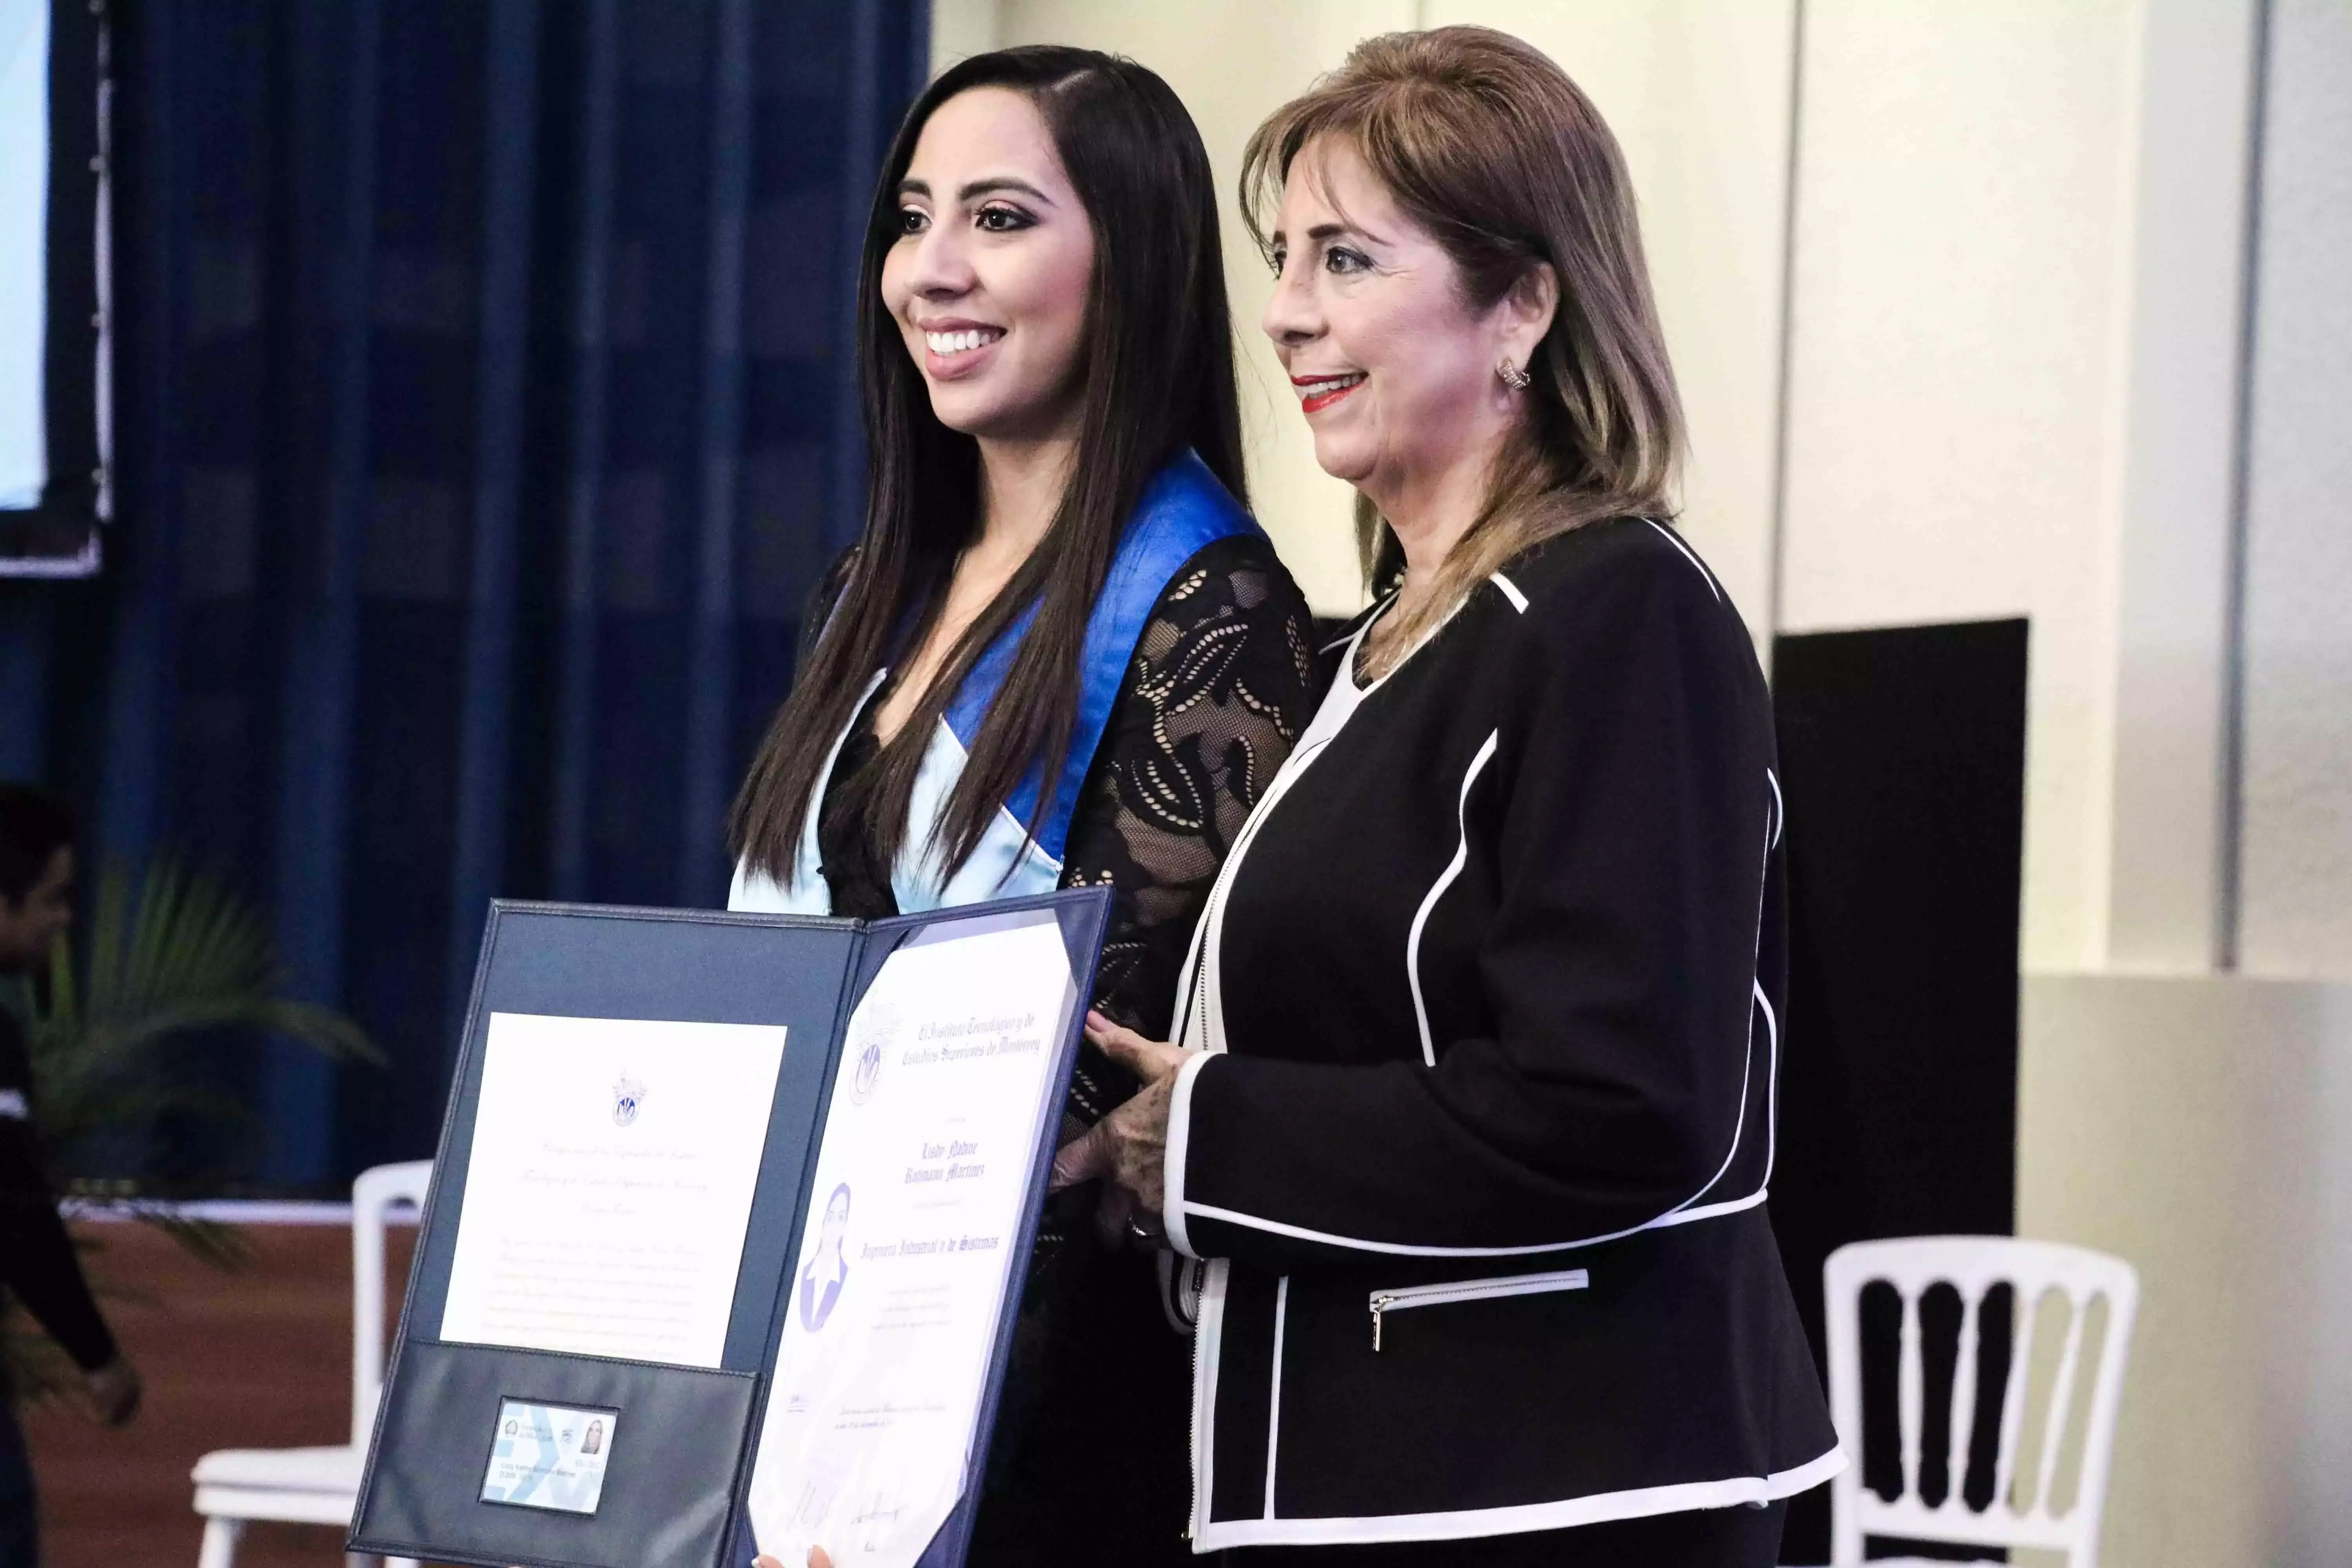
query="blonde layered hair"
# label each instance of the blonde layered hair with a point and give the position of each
(1487, 144)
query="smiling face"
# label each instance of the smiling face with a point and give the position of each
(1394, 369)
(989, 276)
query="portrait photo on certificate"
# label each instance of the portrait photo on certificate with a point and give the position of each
(610, 1186)
(944, 1090)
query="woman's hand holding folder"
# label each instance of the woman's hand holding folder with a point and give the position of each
(1130, 1145)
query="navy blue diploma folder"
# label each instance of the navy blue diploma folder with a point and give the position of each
(670, 1488)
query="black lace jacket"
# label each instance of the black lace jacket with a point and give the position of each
(1223, 681)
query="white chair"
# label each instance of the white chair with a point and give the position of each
(317, 1485)
(2017, 1515)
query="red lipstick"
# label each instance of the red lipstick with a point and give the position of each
(1327, 389)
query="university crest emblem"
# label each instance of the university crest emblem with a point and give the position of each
(876, 1035)
(627, 1096)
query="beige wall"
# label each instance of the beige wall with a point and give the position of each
(2175, 541)
(2298, 816)
(2198, 1127)
(1961, 306)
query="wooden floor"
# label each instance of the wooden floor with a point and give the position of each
(257, 1359)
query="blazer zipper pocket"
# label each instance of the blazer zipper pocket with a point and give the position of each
(1403, 1296)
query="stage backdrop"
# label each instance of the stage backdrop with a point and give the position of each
(485, 419)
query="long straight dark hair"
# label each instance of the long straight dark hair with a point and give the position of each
(1158, 378)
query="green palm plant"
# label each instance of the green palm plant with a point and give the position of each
(167, 959)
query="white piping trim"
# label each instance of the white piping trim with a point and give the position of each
(1208, 1342)
(1182, 1030)
(1740, 1126)
(1198, 977)
(1682, 1213)
(1640, 1502)
(1510, 591)
(1347, 671)
(1179, 1210)
(1780, 810)
(1755, 989)
(1407, 1250)
(1274, 1389)
(1437, 890)
(1771, 1085)
(1180, 1139)
(1668, 535)
(1712, 1211)
(1371, 615)
(1748, 1063)
(1197, 981)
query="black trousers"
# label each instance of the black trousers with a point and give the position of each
(1712, 1538)
(1091, 1466)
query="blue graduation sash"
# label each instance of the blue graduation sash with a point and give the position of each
(1182, 511)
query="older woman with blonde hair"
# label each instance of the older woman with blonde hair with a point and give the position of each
(1466, 1129)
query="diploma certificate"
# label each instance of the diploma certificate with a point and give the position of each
(610, 1186)
(921, 1177)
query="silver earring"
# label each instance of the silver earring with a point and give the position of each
(1513, 377)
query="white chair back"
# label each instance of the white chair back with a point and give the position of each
(2018, 1514)
(374, 1197)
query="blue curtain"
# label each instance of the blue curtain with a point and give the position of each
(484, 414)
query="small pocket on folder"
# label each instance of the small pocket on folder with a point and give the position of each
(669, 1476)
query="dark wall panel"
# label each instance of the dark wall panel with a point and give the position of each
(1903, 762)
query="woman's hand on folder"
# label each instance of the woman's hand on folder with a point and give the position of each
(1130, 1144)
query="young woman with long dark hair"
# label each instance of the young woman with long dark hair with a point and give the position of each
(1060, 654)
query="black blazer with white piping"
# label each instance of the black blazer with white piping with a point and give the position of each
(1478, 1144)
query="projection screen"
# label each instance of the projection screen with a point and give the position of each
(55, 483)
